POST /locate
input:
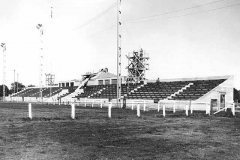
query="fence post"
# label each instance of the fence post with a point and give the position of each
(132, 105)
(208, 109)
(144, 106)
(191, 107)
(218, 105)
(233, 109)
(164, 113)
(158, 106)
(138, 110)
(186, 110)
(174, 108)
(73, 111)
(109, 109)
(30, 110)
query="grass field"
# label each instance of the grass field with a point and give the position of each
(51, 134)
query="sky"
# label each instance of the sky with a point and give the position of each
(184, 39)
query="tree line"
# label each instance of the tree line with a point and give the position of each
(17, 87)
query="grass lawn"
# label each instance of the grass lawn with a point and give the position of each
(52, 135)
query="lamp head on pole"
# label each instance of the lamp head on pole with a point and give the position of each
(3, 45)
(39, 26)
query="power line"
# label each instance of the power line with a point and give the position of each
(93, 35)
(98, 16)
(128, 33)
(189, 14)
(176, 11)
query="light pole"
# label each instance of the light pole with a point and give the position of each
(17, 82)
(3, 45)
(40, 28)
(119, 49)
(14, 81)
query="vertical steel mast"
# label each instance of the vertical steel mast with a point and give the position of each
(119, 36)
(51, 63)
(17, 83)
(14, 83)
(40, 28)
(3, 45)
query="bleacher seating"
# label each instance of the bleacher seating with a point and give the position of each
(70, 91)
(35, 92)
(19, 94)
(157, 90)
(54, 90)
(154, 91)
(198, 89)
(175, 90)
(31, 93)
(90, 90)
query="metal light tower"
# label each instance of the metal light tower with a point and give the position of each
(40, 28)
(51, 12)
(119, 49)
(14, 81)
(17, 82)
(3, 45)
(137, 66)
(50, 81)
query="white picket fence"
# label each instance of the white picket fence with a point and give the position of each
(141, 105)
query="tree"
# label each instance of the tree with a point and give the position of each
(18, 87)
(158, 81)
(236, 95)
(6, 90)
(31, 85)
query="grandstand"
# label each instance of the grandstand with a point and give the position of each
(102, 85)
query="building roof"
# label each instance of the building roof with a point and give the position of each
(74, 80)
(193, 79)
(104, 75)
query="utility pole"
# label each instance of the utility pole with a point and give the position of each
(17, 82)
(3, 45)
(119, 49)
(51, 82)
(51, 12)
(14, 82)
(51, 63)
(40, 28)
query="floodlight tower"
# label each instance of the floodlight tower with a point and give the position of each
(40, 28)
(17, 83)
(137, 66)
(3, 45)
(50, 81)
(14, 81)
(119, 49)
